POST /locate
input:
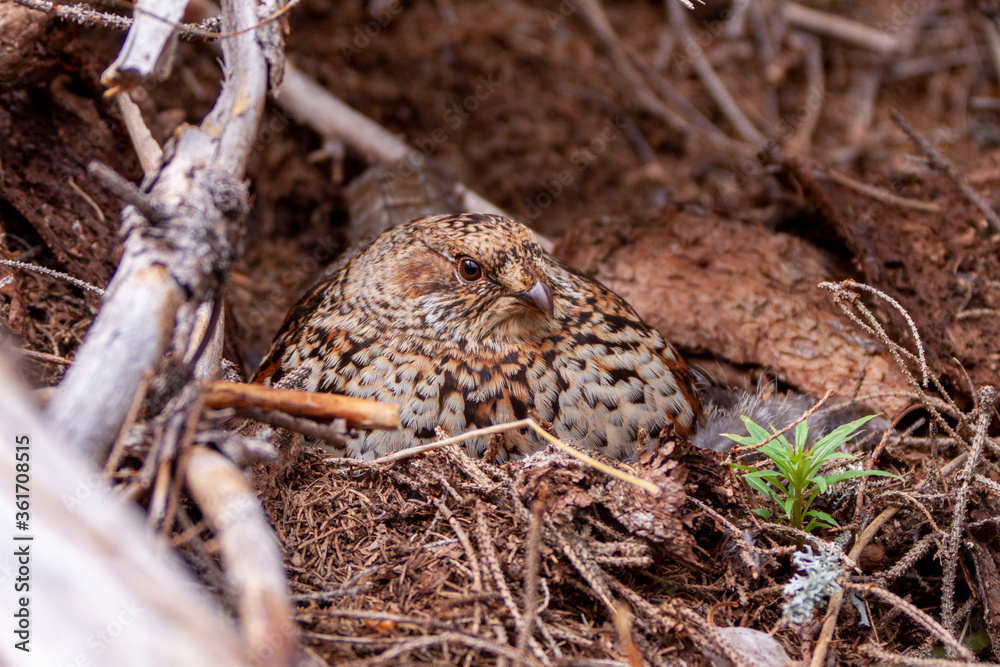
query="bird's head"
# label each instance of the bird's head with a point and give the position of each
(472, 278)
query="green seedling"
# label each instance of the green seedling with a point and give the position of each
(797, 481)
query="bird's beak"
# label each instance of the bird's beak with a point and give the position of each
(539, 296)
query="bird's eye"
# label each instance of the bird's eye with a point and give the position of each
(469, 269)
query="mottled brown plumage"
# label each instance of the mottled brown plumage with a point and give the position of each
(465, 322)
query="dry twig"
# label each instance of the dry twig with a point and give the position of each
(358, 412)
(689, 121)
(878, 194)
(52, 274)
(916, 614)
(838, 27)
(531, 578)
(82, 523)
(737, 451)
(800, 141)
(939, 162)
(716, 88)
(168, 270)
(983, 414)
(510, 426)
(315, 106)
(889, 658)
(249, 551)
(837, 599)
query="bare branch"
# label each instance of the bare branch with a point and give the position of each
(149, 48)
(98, 550)
(940, 163)
(838, 27)
(359, 412)
(716, 88)
(250, 553)
(181, 261)
(149, 152)
(313, 105)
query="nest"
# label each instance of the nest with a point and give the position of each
(444, 559)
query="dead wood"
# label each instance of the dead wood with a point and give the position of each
(168, 270)
(315, 106)
(118, 582)
(359, 413)
(251, 557)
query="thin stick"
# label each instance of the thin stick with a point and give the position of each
(44, 356)
(623, 626)
(874, 327)
(889, 658)
(149, 152)
(87, 198)
(688, 110)
(530, 580)
(52, 274)
(206, 30)
(814, 94)
(250, 553)
(313, 105)
(838, 27)
(922, 65)
(392, 655)
(837, 599)
(840, 291)
(977, 312)
(939, 162)
(358, 412)
(862, 487)
(862, 95)
(879, 194)
(334, 432)
(593, 13)
(918, 615)
(985, 399)
(510, 426)
(716, 88)
(118, 449)
(690, 121)
(993, 39)
(491, 559)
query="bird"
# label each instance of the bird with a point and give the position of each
(465, 322)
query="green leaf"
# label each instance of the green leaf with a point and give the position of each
(767, 474)
(820, 453)
(819, 458)
(741, 439)
(777, 453)
(851, 474)
(789, 504)
(838, 455)
(843, 433)
(758, 433)
(802, 433)
(759, 486)
(824, 517)
(795, 484)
